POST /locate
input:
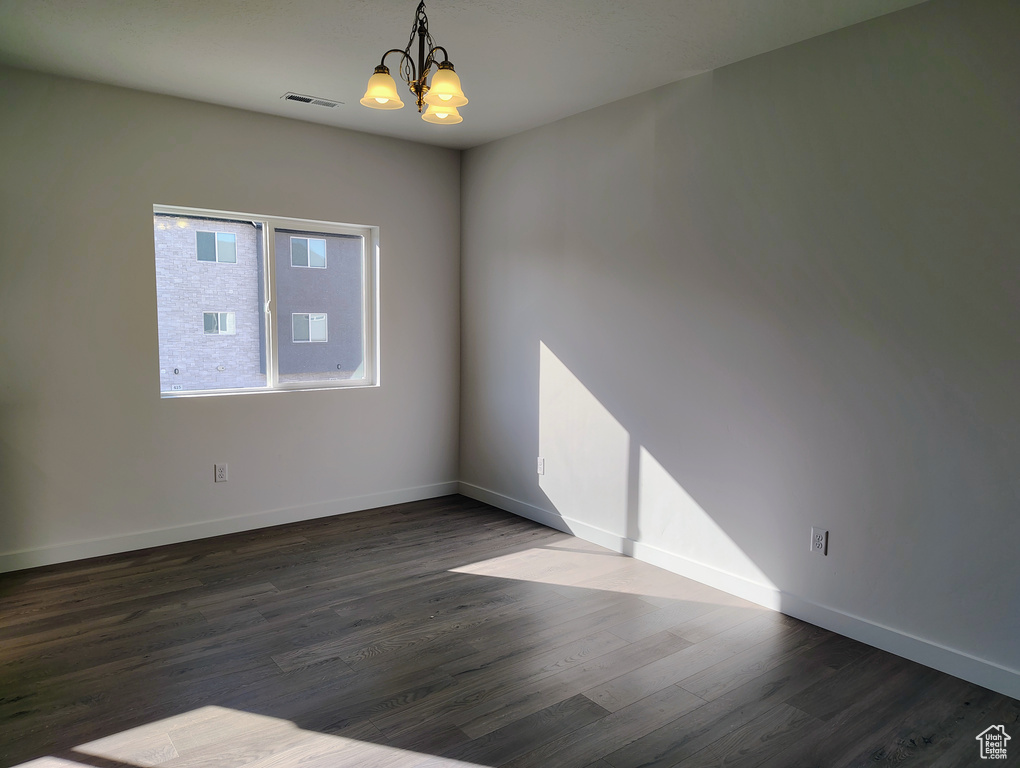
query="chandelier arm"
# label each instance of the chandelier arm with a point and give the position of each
(431, 58)
(404, 55)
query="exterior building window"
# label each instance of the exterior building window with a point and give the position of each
(307, 252)
(309, 327)
(217, 246)
(269, 339)
(220, 323)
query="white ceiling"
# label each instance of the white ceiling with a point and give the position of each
(523, 63)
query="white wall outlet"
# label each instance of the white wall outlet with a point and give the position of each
(541, 465)
(221, 473)
(819, 541)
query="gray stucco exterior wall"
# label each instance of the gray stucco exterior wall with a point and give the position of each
(336, 291)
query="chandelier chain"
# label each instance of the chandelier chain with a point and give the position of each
(420, 28)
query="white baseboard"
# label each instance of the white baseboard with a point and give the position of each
(79, 550)
(927, 652)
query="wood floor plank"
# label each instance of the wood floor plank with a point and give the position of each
(523, 700)
(472, 687)
(519, 737)
(714, 681)
(559, 623)
(850, 722)
(720, 619)
(915, 737)
(668, 617)
(591, 742)
(668, 746)
(974, 714)
(756, 741)
(635, 684)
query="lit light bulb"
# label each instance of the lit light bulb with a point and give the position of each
(445, 88)
(382, 91)
(443, 115)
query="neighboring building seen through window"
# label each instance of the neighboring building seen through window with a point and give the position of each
(270, 273)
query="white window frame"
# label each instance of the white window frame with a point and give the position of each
(216, 241)
(309, 265)
(370, 297)
(309, 315)
(232, 322)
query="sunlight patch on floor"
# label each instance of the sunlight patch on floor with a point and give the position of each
(226, 737)
(596, 569)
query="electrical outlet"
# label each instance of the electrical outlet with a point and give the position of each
(541, 465)
(819, 541)
(221, 473)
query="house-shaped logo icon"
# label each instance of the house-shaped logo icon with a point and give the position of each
(993, 742)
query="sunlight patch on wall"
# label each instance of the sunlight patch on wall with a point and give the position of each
(585, 450)
(669, 519)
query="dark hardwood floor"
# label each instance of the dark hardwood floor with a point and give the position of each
(445, 633)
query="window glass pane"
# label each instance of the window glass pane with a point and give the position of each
(227, 250)
(190, 355)
(317, 253)
(232, 347)
(300, 326)
(317, 327)
(299, 252)
(336, 295)
(206, 246)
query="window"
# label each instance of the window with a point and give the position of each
(219, 323)
(309, 327)
(277, 334)
(307, 252)
(216, 246)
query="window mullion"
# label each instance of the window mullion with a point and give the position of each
(270, 314)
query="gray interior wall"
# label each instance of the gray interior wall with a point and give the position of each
(782, 294)
(88, 450)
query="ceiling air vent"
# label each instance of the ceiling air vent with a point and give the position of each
(311, 100)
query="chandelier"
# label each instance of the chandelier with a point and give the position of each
(441, 97)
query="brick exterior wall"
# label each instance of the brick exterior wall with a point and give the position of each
(186, 288)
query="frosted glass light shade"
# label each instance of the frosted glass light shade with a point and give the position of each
(443, 115)
(382, 92)
(445, 90)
